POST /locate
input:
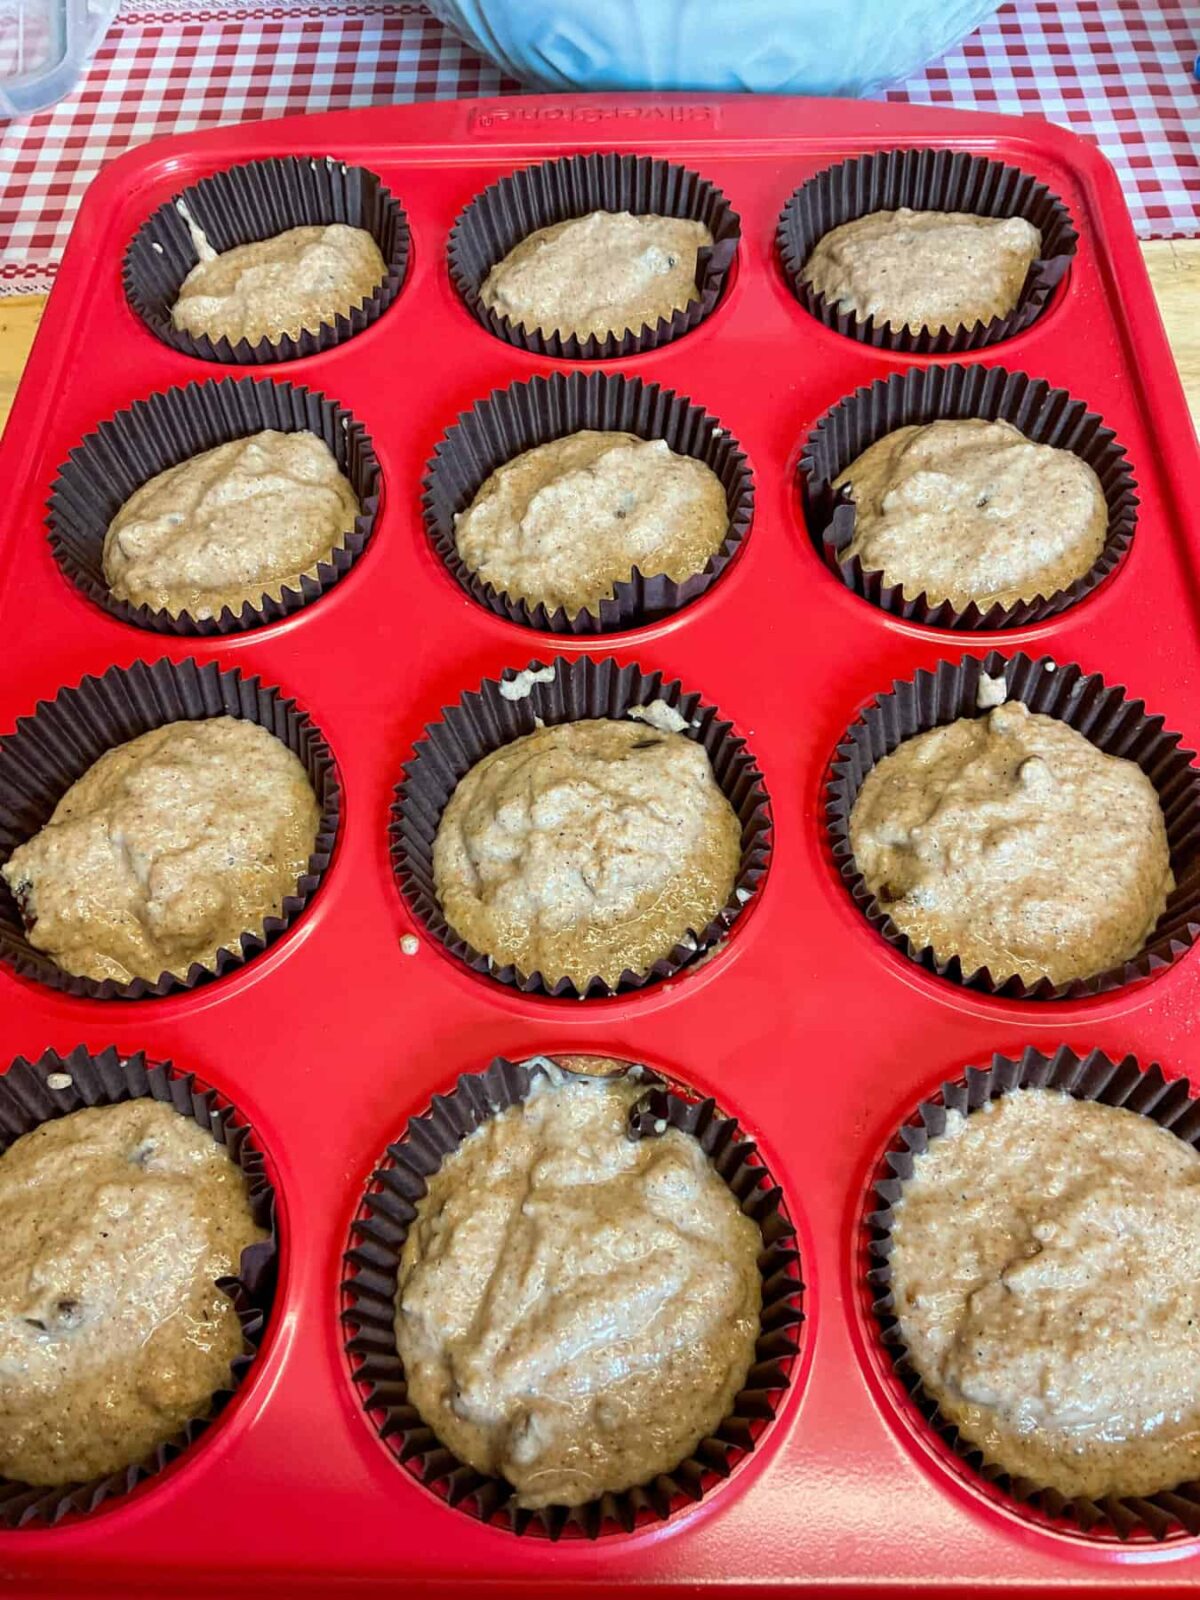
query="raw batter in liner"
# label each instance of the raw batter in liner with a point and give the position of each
(576, 1310)
(117, 1222)
(608, 272)
(1046, 1274)
(924, 269)
(287, 284)
(562, 523)
(1011, 841)
(585, 849)
(167, 850)
(236, 524)
(969, 510)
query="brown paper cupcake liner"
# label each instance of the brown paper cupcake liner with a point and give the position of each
(65, 736)
(132, 447)
(257, 201)
(485, 719)
(1102, 713)
(925, 180)
(32, 1093)
(537, 197)
(1094, 1076)
(1045, 415)
(511, 421)
(369, 1297)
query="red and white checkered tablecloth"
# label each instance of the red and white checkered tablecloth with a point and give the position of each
(1117, 70)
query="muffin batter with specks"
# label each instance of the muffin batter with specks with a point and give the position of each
(117, 1221)
(166, 850)
(924, 269)
(236, 524)
(576, 1310)
(287, 284)
(608, 272)
(969, 510)
(562, 523)
(586, 849)
(1046, 1275)
(1011, 841)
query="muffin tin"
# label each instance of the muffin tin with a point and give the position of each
(805, 1025)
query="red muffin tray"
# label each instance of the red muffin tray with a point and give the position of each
(807, 1026)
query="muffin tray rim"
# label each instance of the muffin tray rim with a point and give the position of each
(797, 1086)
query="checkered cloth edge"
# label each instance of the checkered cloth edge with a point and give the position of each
(1118, 71)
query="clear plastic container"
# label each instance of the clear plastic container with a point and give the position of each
(44, 47)
(831, 47)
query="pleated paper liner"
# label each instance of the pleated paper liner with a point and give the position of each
(257, 201)
(1173, 1511)
(1045, 415)
(925, 180)
(369, 1299)
(1103, 713)
(65, 736)
(512, 208)
(108, 466)
(32, 1093)
(511, 421)
(486, 718)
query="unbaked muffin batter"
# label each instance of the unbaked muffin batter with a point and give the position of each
(924, 269)
(1011, 841)
(117, 1222)
(604, 273)
(576, 1310)
(237, 523)
(166, 850)
(1046, 1275)
(585, 849)
(287, 284)
(971, 510)
(562, 523)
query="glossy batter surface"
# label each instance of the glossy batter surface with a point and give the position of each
(166, 850)
(577, 1310)
(585, 849)
(1046, 1275)
(237, 523)
(924, 269)
(562, 523)
(117, 1222)
(969, 510)
(287, 284)
(1013, 842)
(607, 272)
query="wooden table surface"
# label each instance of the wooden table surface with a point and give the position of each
(1174, 267)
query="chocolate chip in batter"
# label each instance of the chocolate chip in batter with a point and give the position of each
(69, 1313)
